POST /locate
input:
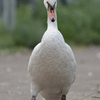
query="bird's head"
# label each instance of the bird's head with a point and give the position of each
(51, 7)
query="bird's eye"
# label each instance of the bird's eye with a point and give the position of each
(47, 2)
(54, 4)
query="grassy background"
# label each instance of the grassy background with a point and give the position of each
(79, 22)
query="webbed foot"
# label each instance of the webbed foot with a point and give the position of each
(33, 98)
(63, 97)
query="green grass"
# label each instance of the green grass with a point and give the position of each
(82, 24)
(95, 95)
(79, 22)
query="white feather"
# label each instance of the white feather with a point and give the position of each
(52, 65)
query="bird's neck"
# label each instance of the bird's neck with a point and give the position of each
(52, 24)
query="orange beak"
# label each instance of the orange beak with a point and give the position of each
(52, 14)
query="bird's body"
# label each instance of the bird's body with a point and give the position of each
(52, 65)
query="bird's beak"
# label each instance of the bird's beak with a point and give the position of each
(52, 13)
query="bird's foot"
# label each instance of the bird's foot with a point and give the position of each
(33, 98)
(63, 97)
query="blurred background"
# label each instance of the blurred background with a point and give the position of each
(23, 22)
(22, 25)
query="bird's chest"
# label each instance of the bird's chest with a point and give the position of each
(51, 55)
(51, 64)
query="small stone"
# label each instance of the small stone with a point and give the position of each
(98, 55)
(90, 73)
(9, 69)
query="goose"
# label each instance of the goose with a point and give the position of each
(52, 65)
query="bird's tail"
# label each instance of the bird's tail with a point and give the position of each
(52, 98)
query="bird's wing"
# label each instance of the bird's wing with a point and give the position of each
(73, 63)
(33, 59)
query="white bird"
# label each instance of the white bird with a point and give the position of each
(52, 65)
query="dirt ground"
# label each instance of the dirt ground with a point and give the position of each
(14, 84)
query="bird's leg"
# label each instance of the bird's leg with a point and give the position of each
(63, 97)
(33, 98)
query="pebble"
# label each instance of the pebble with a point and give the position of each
(9, 69)
(90, 73)
(98, 55)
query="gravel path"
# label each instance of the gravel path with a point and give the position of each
(14, 84)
